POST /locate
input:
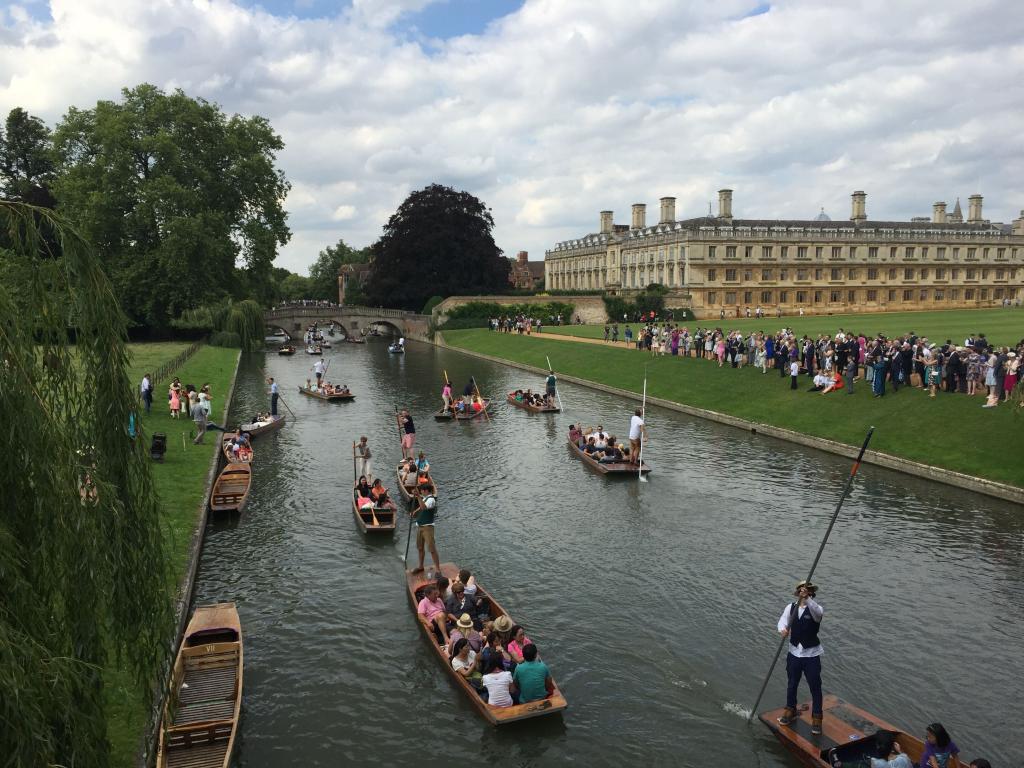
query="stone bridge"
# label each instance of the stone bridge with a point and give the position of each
(352, 319)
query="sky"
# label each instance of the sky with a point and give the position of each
(553, 110)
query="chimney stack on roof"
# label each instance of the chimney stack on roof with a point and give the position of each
(725, 203)
(974, 209)
(606, 222)
(522, 257)
(668, 210)
(1018, 225)
(939, 213)
(639, 215)
(858, 210)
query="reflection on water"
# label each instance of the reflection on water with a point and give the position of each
(654, 604)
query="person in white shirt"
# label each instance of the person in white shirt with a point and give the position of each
(637, 432)
(318, 369)
(800, 622)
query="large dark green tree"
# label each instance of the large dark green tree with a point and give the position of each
(83, 573)
(26, 159)
(438, 242)
(323, 274)
(174, 194)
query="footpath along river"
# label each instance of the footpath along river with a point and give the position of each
(653, 604)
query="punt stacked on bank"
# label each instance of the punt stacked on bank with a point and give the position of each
(231, 491)
(200, 717)
(555, 702)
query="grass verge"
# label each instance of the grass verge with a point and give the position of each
(951, 431)
(1000, 326)
(180, 482)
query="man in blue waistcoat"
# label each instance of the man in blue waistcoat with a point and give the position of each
(800, 622)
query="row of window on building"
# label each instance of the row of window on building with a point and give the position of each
(909, 252)
(731, 275)
(852, 296)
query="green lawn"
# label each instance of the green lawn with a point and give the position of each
(1000, 326)
(180, 482)
(951, 431)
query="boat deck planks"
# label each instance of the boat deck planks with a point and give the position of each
(553, 704)
(257, 428)
(200, 717)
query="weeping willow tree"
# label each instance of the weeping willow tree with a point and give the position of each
(241, 321)
(83, 576)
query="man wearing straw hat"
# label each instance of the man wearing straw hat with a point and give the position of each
(800, 622)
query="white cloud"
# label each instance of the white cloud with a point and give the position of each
(569, 107)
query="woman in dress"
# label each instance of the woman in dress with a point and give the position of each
(1012, 374)
(990, 379)
(174, 399)
(720, 350)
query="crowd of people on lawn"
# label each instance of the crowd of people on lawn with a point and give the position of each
(835, 361)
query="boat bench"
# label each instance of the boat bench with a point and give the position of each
(227, 498)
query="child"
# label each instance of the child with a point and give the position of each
(794, 373)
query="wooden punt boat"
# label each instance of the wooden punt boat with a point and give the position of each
(469, 416)
(378, 519)
(244, 456)
(407, 490)
(287, 350)
(415, 582)
(444, 415)
(231, 491)
(618, 468)
(314, 350)
(257, 428)
(532, 408)
(396, 349)
(326, 396)
(848, 734)
(200, 717)
(354, 340)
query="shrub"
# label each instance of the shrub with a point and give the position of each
(432, 302)
(226, 339)
(486, 310)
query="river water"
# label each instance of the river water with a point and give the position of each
(654, 604)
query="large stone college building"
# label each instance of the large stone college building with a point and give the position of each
(717, 263)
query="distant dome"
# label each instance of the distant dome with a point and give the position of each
(822, 216)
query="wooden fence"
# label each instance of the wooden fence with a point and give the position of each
(166, 370)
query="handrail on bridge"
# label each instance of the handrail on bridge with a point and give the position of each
(345, 310)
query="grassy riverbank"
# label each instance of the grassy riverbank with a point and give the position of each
(1000, 326)
(951, 431)
(180, 482)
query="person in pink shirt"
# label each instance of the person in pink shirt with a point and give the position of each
(431, 611)
(517, 643)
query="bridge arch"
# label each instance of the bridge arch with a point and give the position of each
(351, 319)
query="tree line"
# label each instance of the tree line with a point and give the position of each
(182, 202)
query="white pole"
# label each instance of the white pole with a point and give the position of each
(643, 429)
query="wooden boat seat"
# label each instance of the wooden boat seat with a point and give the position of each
(202, 748)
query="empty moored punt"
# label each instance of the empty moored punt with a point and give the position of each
(200, 718)
(327, 395)
(847, 735)
(288, 350)
(244, 455)
(258, 428)
(407, 490)
(617, 468)
(231, 491)
(555, 702)
(532, 408)
(375, 519)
